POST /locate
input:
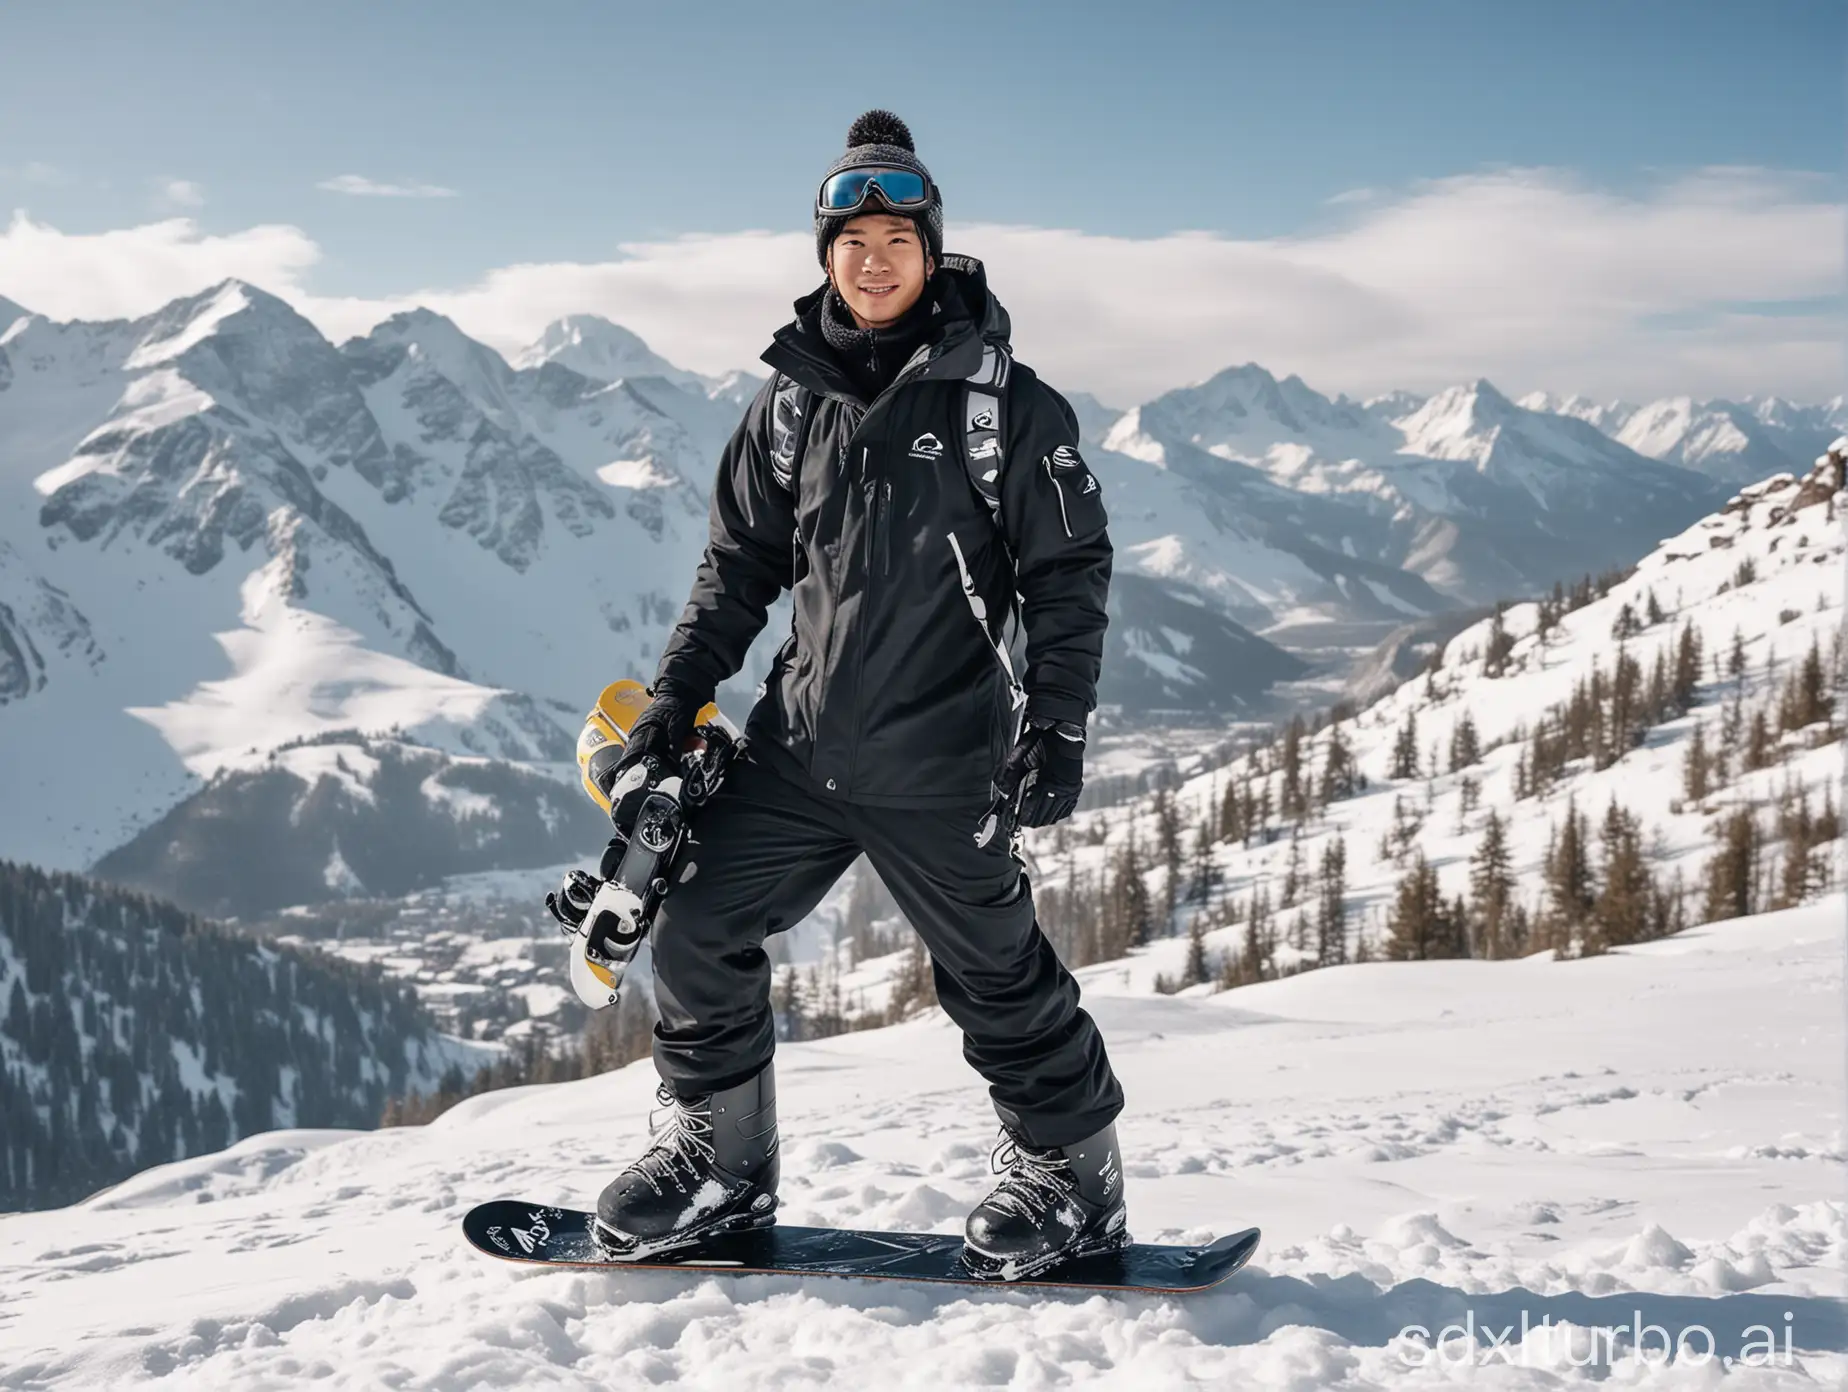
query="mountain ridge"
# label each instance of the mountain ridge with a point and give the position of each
(222, 534)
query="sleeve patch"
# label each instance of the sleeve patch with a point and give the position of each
(1065, 458)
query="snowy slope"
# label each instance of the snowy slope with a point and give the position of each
(1767, 567)
(1655, 1131)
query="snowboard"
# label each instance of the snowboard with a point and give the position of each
(538, 1234)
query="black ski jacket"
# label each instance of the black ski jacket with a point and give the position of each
(887, 690)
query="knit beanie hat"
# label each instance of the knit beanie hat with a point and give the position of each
(880, 138)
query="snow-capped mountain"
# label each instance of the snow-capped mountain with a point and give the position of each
(1183, 508)
(218, 522)
(1734, 442)
(222, 535)
(593, 347)
(9, 311)
(1464, 490)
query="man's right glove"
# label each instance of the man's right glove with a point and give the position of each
(1044, 772)
(651, 753)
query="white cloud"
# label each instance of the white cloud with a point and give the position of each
(183, 193)
(360, 186)
(1528, 277)
(135, 270)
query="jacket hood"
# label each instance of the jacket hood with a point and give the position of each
(971, 317)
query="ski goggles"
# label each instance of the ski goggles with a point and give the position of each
(898, 189)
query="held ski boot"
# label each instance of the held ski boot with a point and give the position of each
(1051, 1205)
(712, 1169)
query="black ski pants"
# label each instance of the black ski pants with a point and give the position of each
(766, 850)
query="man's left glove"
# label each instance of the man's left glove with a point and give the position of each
(1044, 772)
(652, 752)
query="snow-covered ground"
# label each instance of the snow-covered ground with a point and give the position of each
(1656, 1132)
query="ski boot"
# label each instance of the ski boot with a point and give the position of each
(1052, 1204)
(712, 1169)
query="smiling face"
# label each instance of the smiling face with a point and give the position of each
(878, 266)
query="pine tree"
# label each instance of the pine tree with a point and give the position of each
(1292, 803)
(1569, 880)
(1407, 822)
(1465, 747)
(1232, 813)
(1469, 797)
(1293, 871)
(1194, 970)
(1696, 768)
(1732, 872)
(1135, 914)
(1686, 680)
(1625, 886)
(1795, 827)
(1759, 749)
(1338, 771)
(1806, 699)
(1168, 834)
(1264, 931)
(787, 1003)
(1331, 906)
(1421, 924)
(1500, 644)
(1246, 965)
(1203, 874)
(1491, 887)
(914, 988)
(1405, 749)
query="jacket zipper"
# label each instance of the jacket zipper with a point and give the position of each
(1058, 488)
(883, 529)
(859, 657)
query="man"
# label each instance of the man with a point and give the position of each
(887, 723)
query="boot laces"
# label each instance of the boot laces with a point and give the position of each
(1036, 1180)
(684, 1141)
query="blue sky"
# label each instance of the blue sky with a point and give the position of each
(564, 131)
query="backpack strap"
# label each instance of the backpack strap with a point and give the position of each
(789, 419)
(985, 426)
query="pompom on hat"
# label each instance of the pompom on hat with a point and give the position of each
(878, 137)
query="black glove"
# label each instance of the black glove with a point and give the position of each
(653, 751)
(1044, 772)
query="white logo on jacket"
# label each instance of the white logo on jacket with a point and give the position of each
(927, 446)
